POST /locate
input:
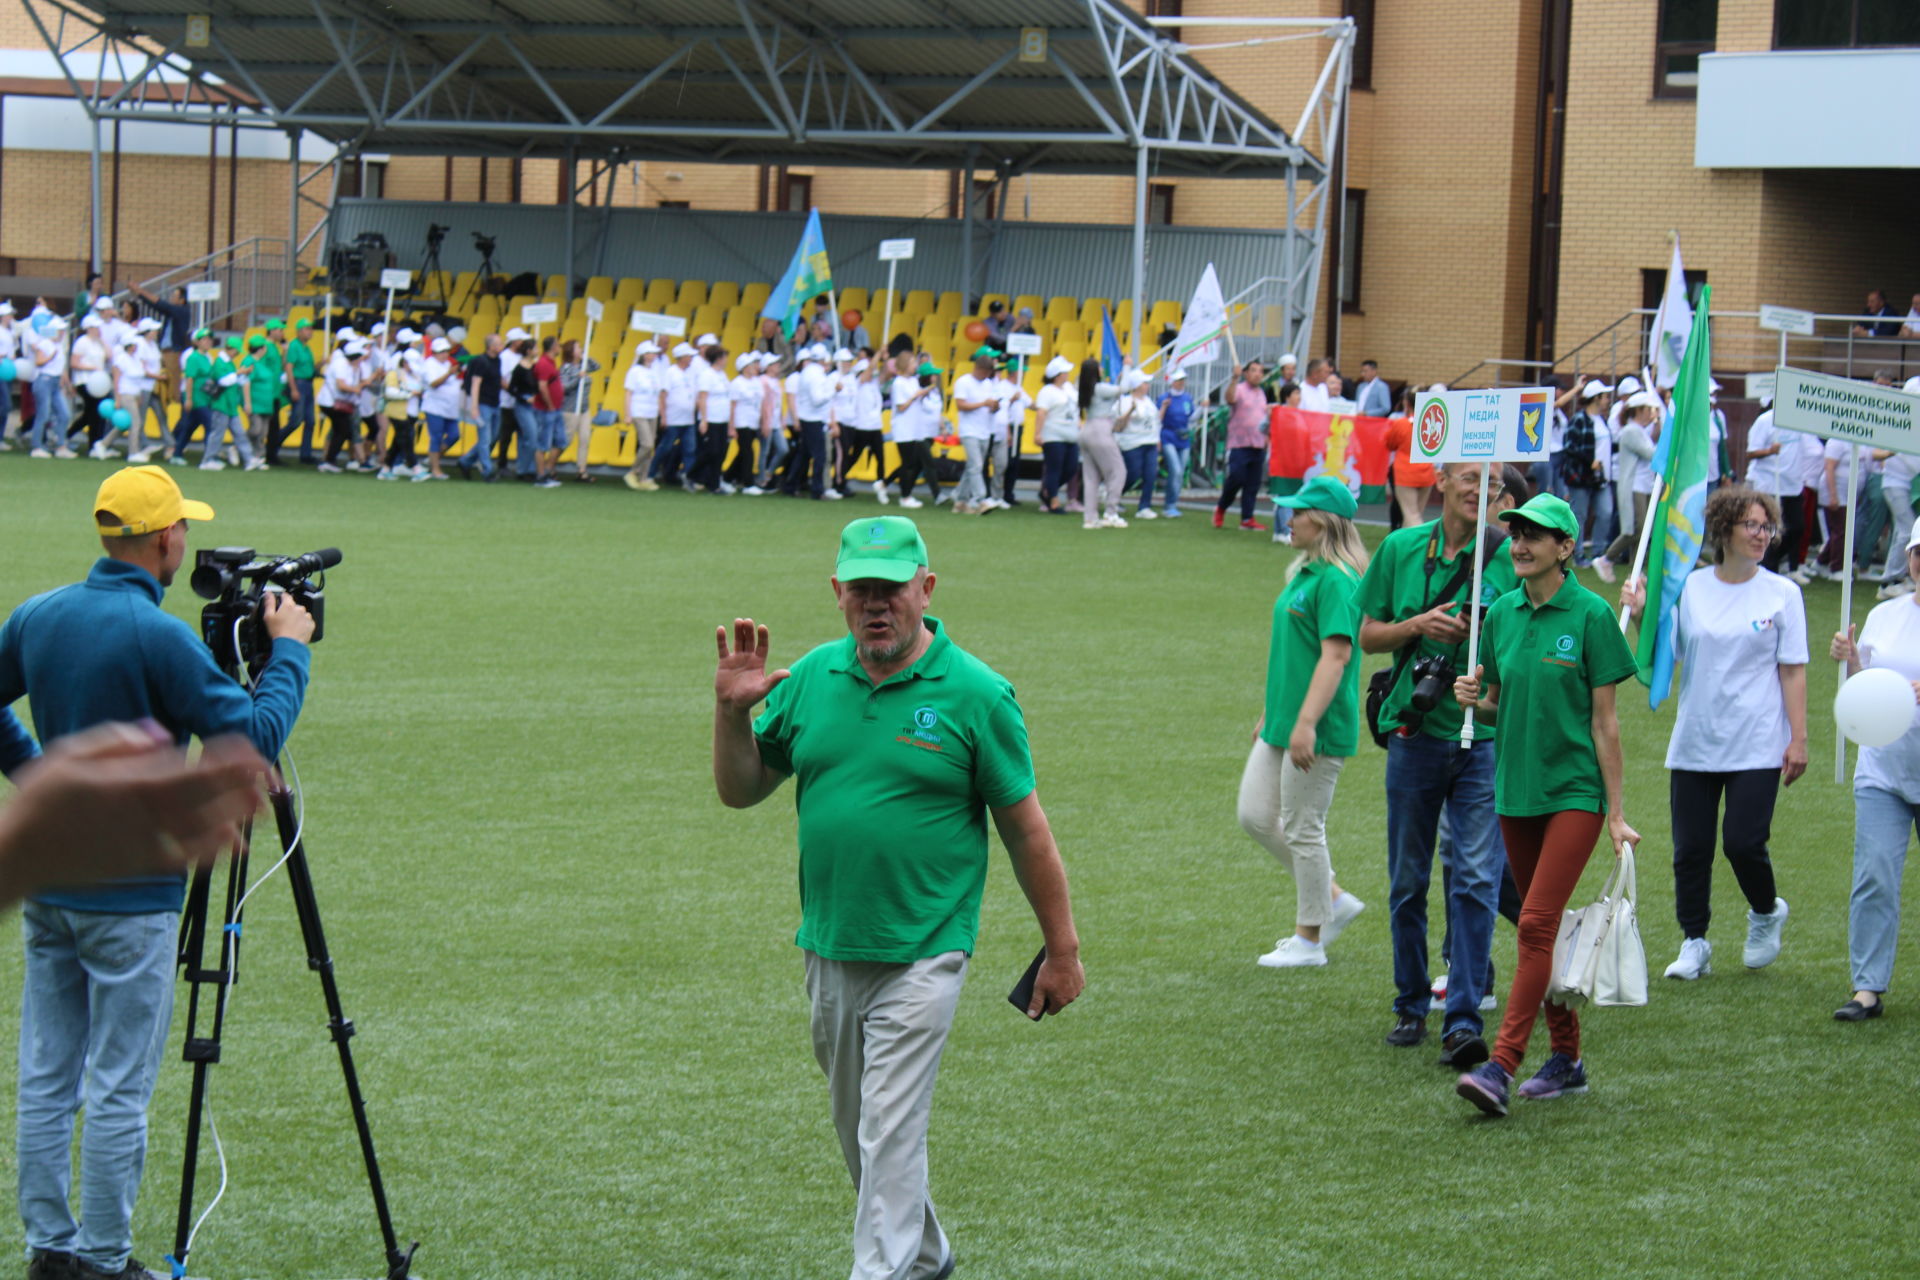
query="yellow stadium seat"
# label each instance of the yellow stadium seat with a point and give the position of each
(693, 293)
(988, 299)
(951, 305)
(631, 291)
(556, 287)
(682, 310)
(1032, 302)
(1060, 307)
(1070, 331)
(1090, 309)
(659, 294)
(600, 287)
(706, 319)
(918, 302)
(723, 294)
(755, 295)
(853, 298)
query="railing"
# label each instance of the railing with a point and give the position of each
(1740, 345)
(255, 278)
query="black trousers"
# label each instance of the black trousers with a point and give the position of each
(740, 472)
(916, 460)
(1243, 480)
(710, 456)
(404, 448)
(856, 444)
(91, 415)
(1013, 462)
(1750, 794)
(340, 430)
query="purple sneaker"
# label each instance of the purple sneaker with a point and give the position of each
(1486, 1088)
(1561, 1074)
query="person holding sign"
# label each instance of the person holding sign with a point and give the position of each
(1412, 600)
(1886, 798)
(1311, 722)
(1552, 655)
(1740, 634)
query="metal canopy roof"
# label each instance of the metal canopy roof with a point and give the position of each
(891, 83)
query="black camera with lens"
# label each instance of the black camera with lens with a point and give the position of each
(1433, 678)
(237, 582)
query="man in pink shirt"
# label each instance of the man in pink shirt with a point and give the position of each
(1246, 446)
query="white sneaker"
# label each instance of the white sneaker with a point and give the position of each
(727, 488)
(1603, 569)
(1763, 935)
(1345, 908)
(64, 452)
(754, 491)
(258, 464)
(233, 456)
(832, 495)
(422, 476)
(215, 465)
(327, 468)
(1894, 590)
(100, 451)
(912, 503)
(1283, 536)
(1294, 952)
(1696, 960)
(1439, 987)
(1114, 522)
(1803, 575)
(139, 459)
(385, 473)
(1146, 513)
(39, 453)
(880, 493)
(179, 460)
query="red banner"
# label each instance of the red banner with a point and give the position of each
(1306, 444)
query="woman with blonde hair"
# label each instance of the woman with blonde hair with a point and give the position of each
(1311, 721)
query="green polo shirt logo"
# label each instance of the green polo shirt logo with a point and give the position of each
(1563, 652)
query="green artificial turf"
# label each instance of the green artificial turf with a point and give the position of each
(582, 1029)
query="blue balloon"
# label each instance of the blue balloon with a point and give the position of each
(122, 419)
(7, 372)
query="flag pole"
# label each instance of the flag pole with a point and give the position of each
(1846, 595)
(1640, 552)
(1473, 604)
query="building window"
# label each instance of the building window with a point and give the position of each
(1353, 238)
(1166, 9)
(1844, 24)
(676, 204)
(796, 192)
(373, 179)
(985, 193)
(1653, 286)
(1361, 11)
(1160, 204)
(1687, 29)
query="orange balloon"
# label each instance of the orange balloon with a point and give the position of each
(977, 331)
(851, 318)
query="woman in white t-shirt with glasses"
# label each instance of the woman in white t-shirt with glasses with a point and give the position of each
(1886, 798)
(1741, 731)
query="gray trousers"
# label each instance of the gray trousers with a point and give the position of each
(878, 1032)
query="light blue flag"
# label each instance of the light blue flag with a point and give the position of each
(808, 276)
(1110, 354)
(1680, 520)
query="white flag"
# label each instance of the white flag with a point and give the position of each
(1667, 340)
(1203, 327)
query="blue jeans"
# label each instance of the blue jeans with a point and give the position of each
(774, 450)
(6, 408)
(1423, 774)
(1882, 825)
(219, 426)
(1143, 467)
(812, 447)
(1059, 460)
(299, 417)
(551, 430)
(98, 994)
(183, 430)
(670, 461)
(526, 421)
(1174, 458)
(1598, 503)
(481, 455)
(50, 413)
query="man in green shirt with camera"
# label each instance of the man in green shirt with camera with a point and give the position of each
(901, 745)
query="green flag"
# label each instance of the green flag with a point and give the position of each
(1680, 520)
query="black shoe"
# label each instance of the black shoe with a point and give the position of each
(1463, 1050)
(1407, 1032)
(132, 1271)
(1854, 1011)
(49, 1264)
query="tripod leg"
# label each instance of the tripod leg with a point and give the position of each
(203, 1051)
(338, 1026)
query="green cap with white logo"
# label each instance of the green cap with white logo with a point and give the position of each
(884, 547)
(1547, 511)
(1322, 493)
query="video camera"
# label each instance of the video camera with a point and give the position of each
(236, 581)
(485, 244)
(435, 234)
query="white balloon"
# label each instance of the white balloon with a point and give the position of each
(1874, 708)
(99, 384)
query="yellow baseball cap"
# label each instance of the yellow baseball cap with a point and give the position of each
(135, 501)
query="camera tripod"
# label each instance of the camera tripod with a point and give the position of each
(487, 272)
(203, 1050)
(430, 264)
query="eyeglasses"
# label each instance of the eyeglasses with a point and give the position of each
(1760, 527)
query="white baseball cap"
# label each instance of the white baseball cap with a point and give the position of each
(458, 333)
(89, 321)
(1644, 400)
(57, 324)
(1911, 384)
(842, 356)
(815, 352)
(517, 334)
(6, 308)
(103, 304)
(1436, 388)
(707, 340)
(357, 347)
(1057, 366)
(861, 366)
(1595, 387)
(379, 327)
(147, 324)
(441, 344)
(1178, 375)
(406, 337)
(1133, 379)
(682, 349)
(1713, 384)
(746, 358)
(344, 333)
(1913, 539)
(1289, 358)
(647, 348)
(1629, 385)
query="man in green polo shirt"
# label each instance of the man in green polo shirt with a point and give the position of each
(299, 394)
(901, 744)
(227, 410)
(1412, 602)
(197, 388)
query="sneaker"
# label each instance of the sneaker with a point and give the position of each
(1560, 1075)
(1892, 591)
(632, 481)
(1294, 952)
(834, 495)
(215, 465)
(1173, 513)
(1696, 960)
(100, 451)
(911, 503)
(133, 1270)
(1145, 513)
(385, 473)
(751, 491)
(1463, 1049)
(1803, 575)
(1219, 517)
(42, 453)
(405, 472)
(178, 460)
(1407, 1032)
(1603, 569)
(1440, 989)
(945, 495)
(1092, 524)
(548, 483)
(1763, 935)
(64, 452)
(1253, 526)
(423, 475)
(233, 455)
(327, 468)
(1073, 508)
(880, 493)
(1113, 522)
(139, 459)
(1486, 1088)
(258, 464)
(727, 489)
(1345, 908)
(50, 1264)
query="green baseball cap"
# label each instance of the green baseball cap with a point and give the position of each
(235, 343)
(202, 333)
(1547, 511)
(300, 324)
(1322, 493)
(986, 353)
(884, 547)
(276, 324)
(255, 342)
(930, 370)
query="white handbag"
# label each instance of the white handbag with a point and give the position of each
(1598, 955)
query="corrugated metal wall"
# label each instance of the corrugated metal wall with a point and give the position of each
(1030, 257)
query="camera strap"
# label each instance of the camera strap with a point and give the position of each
(1484, 548)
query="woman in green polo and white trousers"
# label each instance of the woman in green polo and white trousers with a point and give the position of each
(1311, 722)
(1551, 654)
